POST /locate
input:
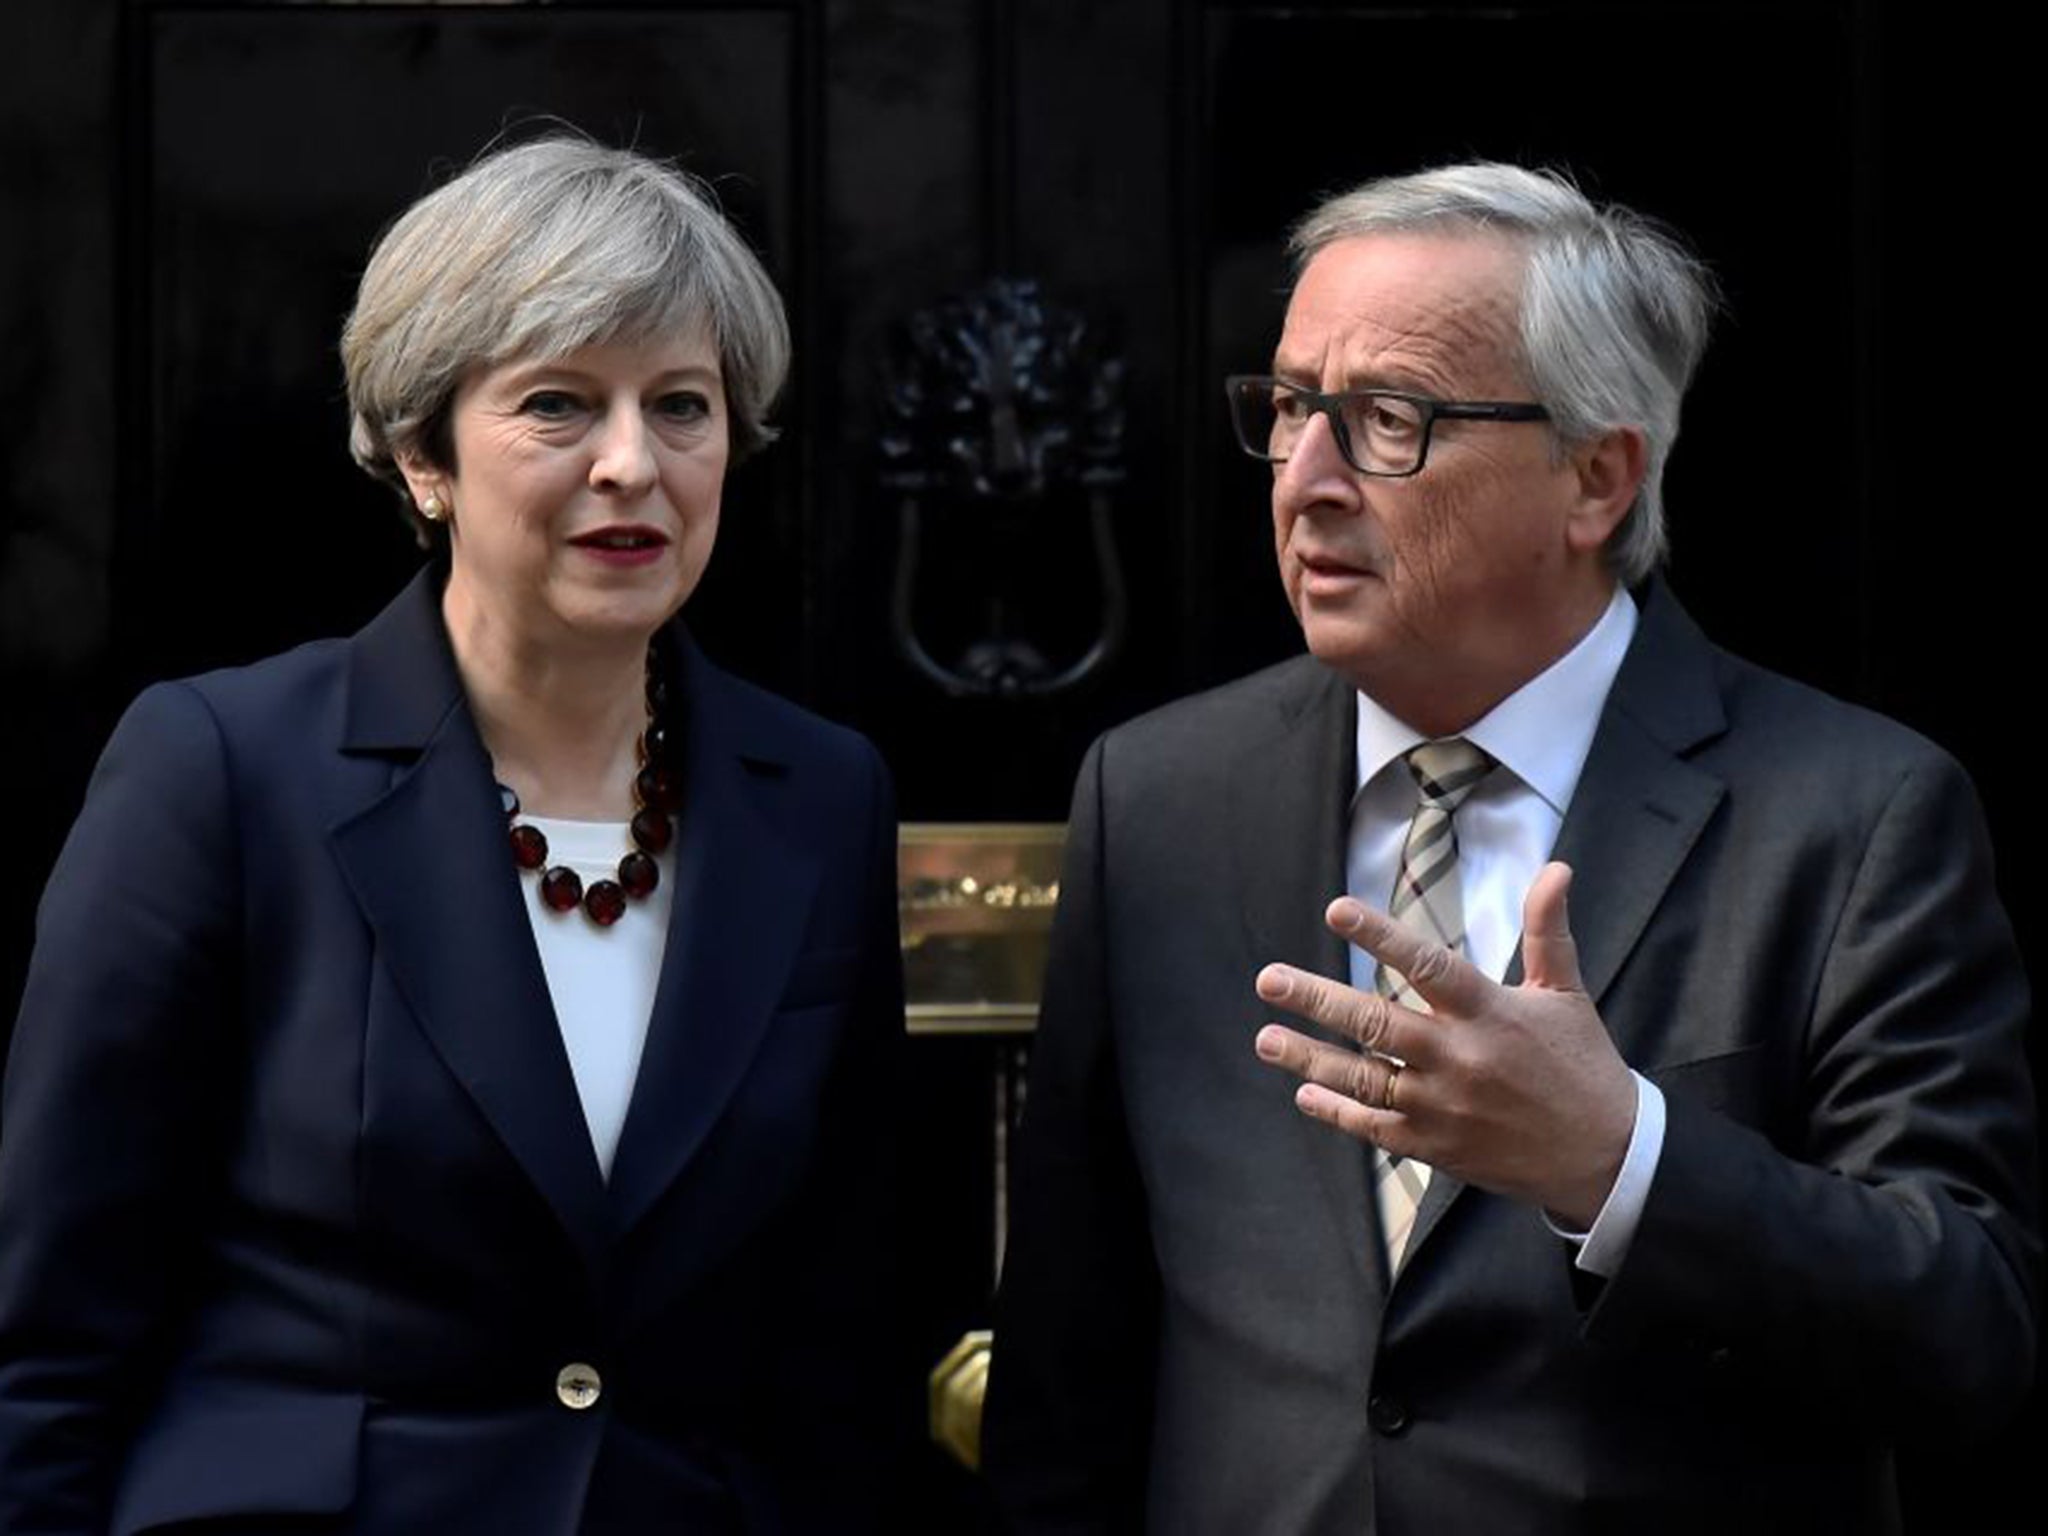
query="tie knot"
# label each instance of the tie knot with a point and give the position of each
(1447, 771)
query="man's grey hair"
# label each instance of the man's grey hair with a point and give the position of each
(1614, 309)
(531, 253)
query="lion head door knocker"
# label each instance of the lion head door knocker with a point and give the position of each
(1002, 444)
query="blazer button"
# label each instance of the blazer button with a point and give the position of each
(1388, 1415)
(578, 1385)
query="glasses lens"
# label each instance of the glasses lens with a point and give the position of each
(1251, 416)
(1268, 417)
(1381, 434)
(1386, 432)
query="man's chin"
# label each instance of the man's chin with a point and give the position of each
(1348, 644)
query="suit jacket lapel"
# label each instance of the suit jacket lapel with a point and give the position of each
(1289, 811)
(1640, 805)
(743, 894)
(1637, 812)
(1289, 816)
(428, 864)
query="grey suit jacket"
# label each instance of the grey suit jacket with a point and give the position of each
(1785, 913)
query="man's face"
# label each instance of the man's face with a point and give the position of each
(1441, 593)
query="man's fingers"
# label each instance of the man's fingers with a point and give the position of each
(1445, 980)
(1550, 956)
(1375, 1127)
(1365, 1017)
(1366, 1078)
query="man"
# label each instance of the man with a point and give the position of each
(1673, 1207)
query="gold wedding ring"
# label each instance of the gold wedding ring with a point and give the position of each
(1387, 1088)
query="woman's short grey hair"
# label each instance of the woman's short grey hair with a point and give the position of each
(1614, 309)
(531, 253)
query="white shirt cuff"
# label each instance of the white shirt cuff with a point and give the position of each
(1602, 1249)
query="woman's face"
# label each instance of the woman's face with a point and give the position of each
(584, 503)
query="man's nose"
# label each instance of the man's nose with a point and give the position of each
(1316, 471)
(624, 458)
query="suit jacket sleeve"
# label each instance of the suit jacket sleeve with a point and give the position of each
(1069, 1404)
(118, 1086)
(1877, 1247)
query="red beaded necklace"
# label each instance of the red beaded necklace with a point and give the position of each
(657, 799)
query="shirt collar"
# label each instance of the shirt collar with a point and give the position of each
(1543, 730)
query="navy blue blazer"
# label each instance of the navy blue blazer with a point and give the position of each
(299, 1216)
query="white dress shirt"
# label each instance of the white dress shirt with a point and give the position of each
(1540, 735)
(601, 980)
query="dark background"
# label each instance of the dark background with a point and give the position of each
(187, 193)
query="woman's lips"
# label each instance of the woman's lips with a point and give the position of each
(622, 545)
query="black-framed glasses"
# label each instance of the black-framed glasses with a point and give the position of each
(1379, 431)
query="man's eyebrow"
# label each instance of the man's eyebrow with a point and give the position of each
(1370, 379)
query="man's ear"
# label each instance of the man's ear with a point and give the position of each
(1610, 470)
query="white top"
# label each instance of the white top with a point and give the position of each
(601, 980)
(1540, 735)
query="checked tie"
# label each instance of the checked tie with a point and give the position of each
(1426, 897)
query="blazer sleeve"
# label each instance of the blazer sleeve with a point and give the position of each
(1068, 1410)
(118, 1092)
(1884, 1257)
(865, 1413)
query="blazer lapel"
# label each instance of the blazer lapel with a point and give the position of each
(1639, 808)
(1640, 805)
(428, 865)
(1289, 811)
(1289, 816)
(742, 898)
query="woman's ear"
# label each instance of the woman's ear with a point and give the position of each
(432, 496)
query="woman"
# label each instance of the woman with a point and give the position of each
(450, 1086)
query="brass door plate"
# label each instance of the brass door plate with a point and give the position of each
(976, 901)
